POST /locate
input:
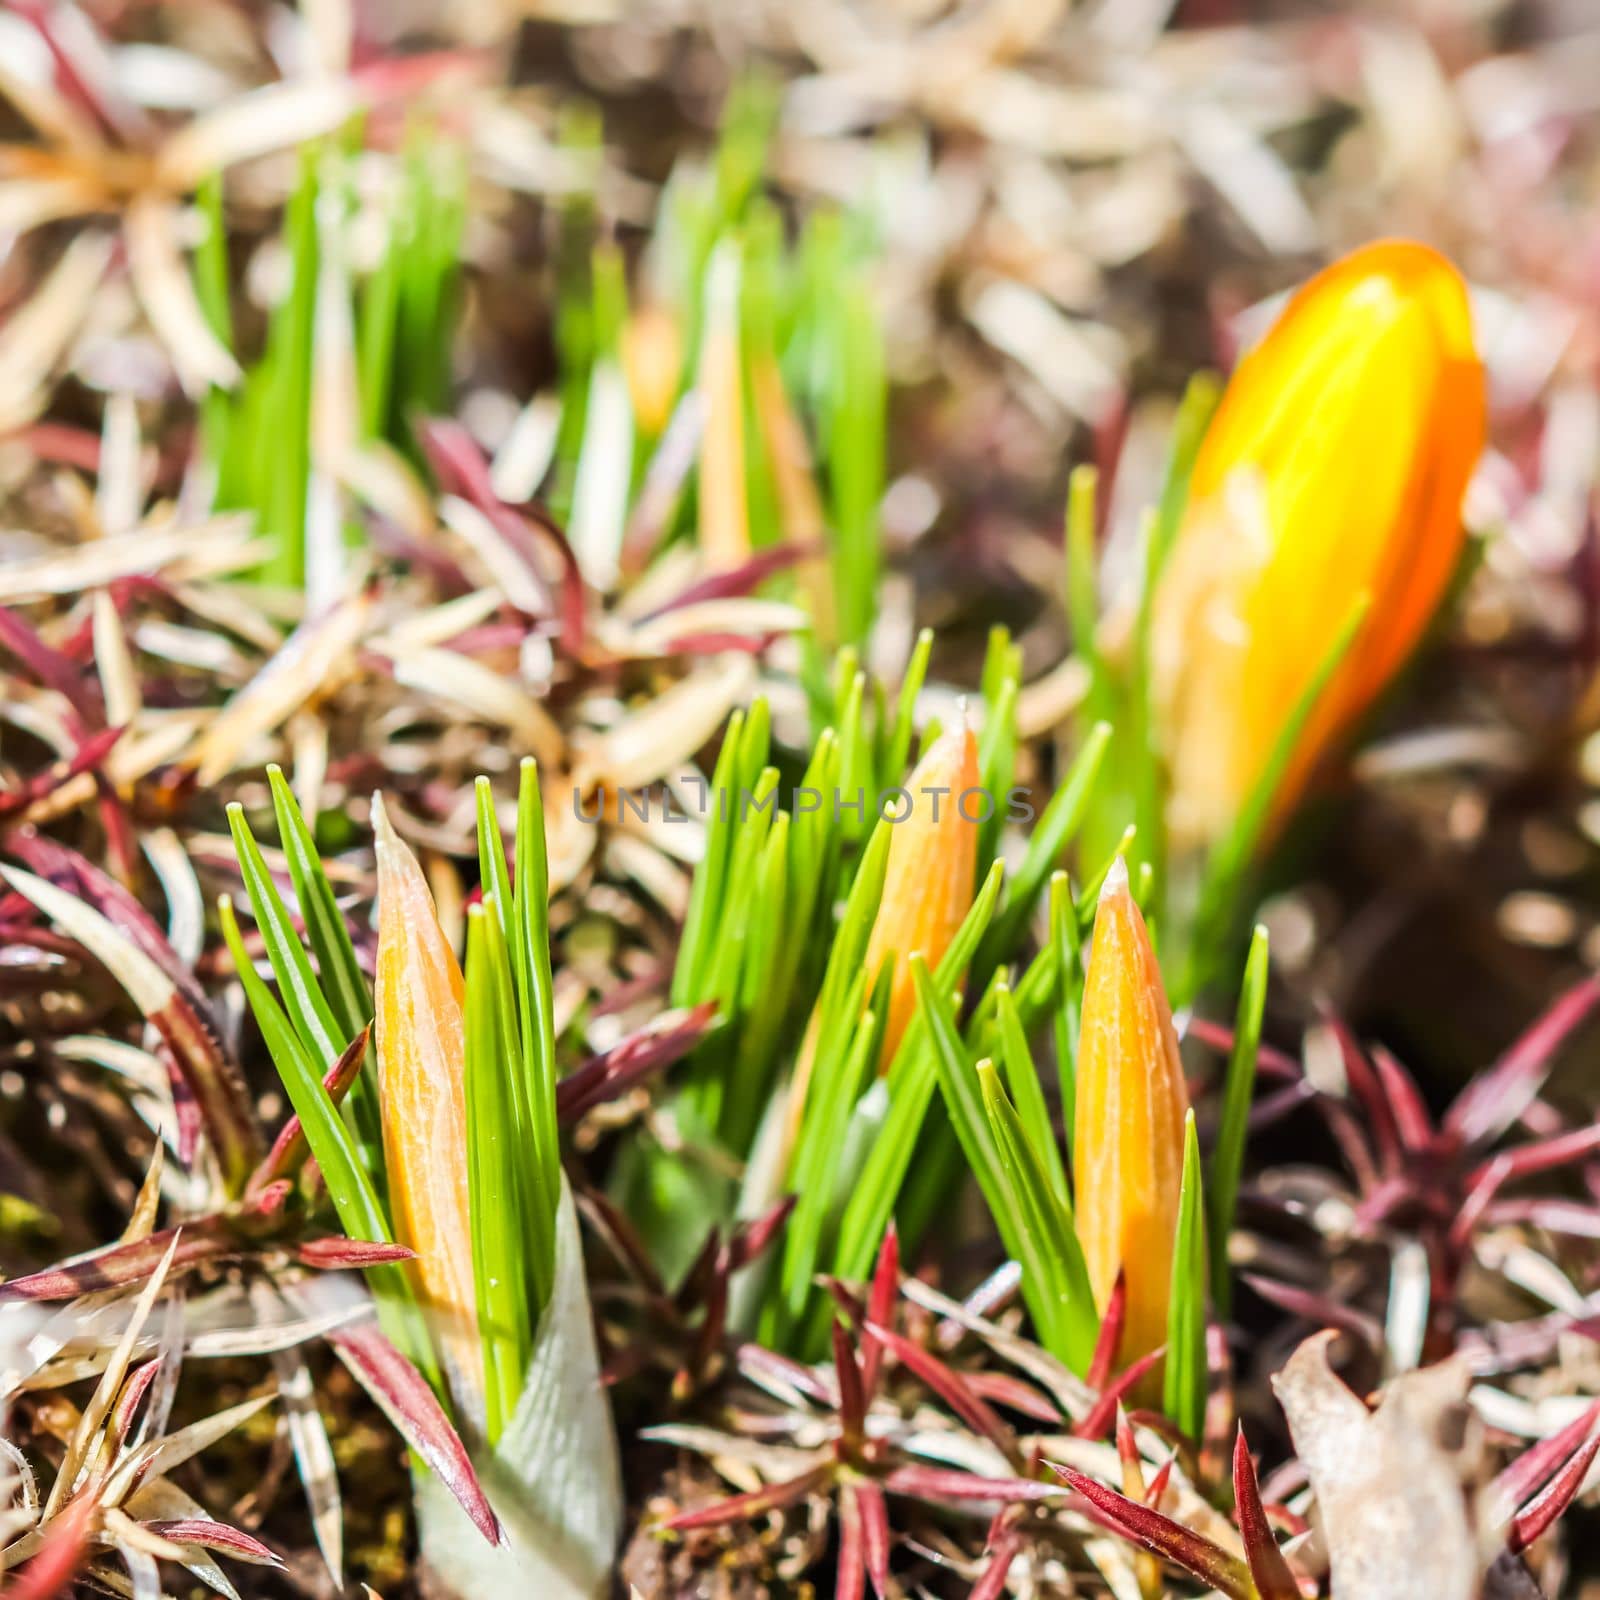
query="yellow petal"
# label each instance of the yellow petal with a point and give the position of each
(1131, 1103)
(1333, 470)
(927, 886)
(421, 1063)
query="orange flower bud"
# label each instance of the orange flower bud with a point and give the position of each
(1333, 470)
(724, 512)
(421, 1065)
(1131, 1103)
(927, 885)
(794, 483)
(652, 360)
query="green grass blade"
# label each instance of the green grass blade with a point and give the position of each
(706, 892)
(492, 871)
(495, 1159)
(997, 764)
(211, 259)
(897, 753)
(1020, 1232)
(536, 999)
(763, 993)
(836, 1083)
(1195, 411)
(1000, 663)
(911, 1079)
(1140, 755)
(872, 1201)
(757, 809)
(1184, 1384)
(1027, 1094)
(353, 1196)
(376, 316)
(855, 460)
(959, 1082)
(1083, 599)
(341, 981)
(287, 377)
(815, 839)
(1068, 1009)
(1227, 1160)
(855, 754)
(1060, 821)
(1069, 1325)
(211, 289)
(303, 998)
(516, 953)
(850, 940)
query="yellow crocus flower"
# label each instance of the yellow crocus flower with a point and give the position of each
(1332, 474)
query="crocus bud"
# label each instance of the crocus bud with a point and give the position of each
(652, 360)
(421, 1064)
(927, 885)
(1331, 476)
(724, 510)
(1131, 1103)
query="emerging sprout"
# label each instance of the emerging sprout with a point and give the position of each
(927, 886)
(1131, 1105)
(421, 1062)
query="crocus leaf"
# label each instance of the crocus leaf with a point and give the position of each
(1184, 1391)
(303, 998)
(1227, 1160)
(495, 1162)
(1044, 1215)
(1027, 1093)
(1055, 829)
(330, 1140)
(342, 981)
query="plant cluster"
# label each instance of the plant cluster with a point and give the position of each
(841, 1160)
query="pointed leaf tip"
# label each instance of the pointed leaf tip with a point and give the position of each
(1550, 1504)
(1271, 1572)
(1116, 878)
(1163, 1536)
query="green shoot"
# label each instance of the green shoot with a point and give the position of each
(1184, 1382)
(1227, 1160)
